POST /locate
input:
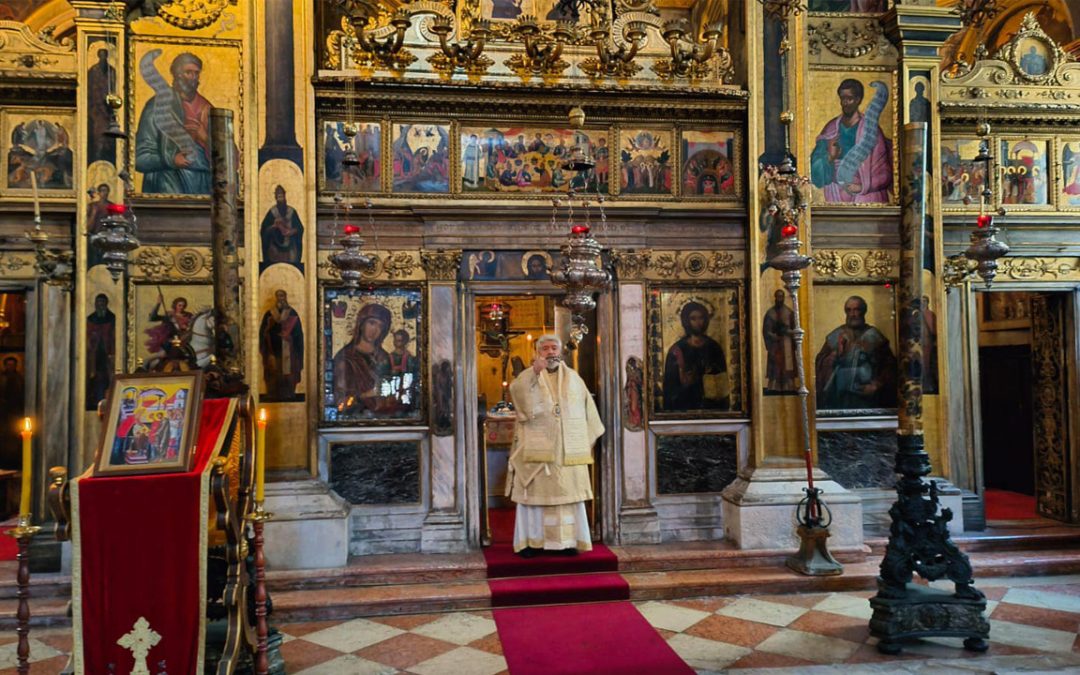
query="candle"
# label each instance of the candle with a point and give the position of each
(260, 457)
(37, 204)
(27, 434)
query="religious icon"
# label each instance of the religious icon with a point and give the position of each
(100, 351)
(709, 164)
(536, 264)
(962, 178)
(525, 159)
(856, 367)
(1070, 173)
(421, 158)
(850, 6)
(694, 351)
(645, 162)
(852, 160)
(778, 332)
(282, 234)
(281, 346)
(366, 379)
(1034, 57)
(366, 176)
(97, 211)
(171, 147)
(100, 82)
(173, 321)
(151, 424)
(39, 144)
(1024, 172)
(633, 395)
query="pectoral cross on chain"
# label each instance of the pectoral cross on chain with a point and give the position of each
(139, 642)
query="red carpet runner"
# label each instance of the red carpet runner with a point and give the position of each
(564, 637)
(1005, 505)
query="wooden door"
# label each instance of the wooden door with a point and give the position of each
(1051, 355)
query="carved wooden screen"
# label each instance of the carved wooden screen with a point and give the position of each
(1049, 359)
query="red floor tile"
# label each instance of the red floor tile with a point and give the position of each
(1037, 616)
(833, 625)
(731, 630)
(404, 651)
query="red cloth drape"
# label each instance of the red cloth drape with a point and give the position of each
(141, 544)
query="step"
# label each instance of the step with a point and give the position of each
(558, 589)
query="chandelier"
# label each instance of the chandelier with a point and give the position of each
(985, 249)
(579, 274)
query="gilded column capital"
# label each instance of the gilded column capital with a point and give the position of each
(441, 265)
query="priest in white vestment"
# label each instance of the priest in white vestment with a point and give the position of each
(548, 474)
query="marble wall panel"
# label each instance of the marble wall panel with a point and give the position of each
(695, 463)
(858, 459)
(385, 472)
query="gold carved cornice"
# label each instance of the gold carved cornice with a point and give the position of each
(856, 265)
(17, 265)
(678, 265)
(959, 269)
(192, 14)
(441, 265)
(389, 265)
(400, 264)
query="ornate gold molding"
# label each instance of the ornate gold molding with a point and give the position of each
(958, 269)
(441, 265)
(841, 39)
(400, 264)
(631, 265)
(17, 265)
(172, 263)
(389, 265)
(24, 55)
(856, 265)
(192, 14)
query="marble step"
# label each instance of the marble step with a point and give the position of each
(343, 602)
(1023, 537)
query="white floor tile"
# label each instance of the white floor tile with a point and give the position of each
(458, 628)
(772, 613)
(702, 654)
(353, 635)
(671, 617)
(459, 661)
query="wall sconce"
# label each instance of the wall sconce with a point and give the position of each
(617, 60)
(687, 60)
(387, 52)
(543, 56)
(468, 56)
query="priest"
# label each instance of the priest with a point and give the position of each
(548, 474)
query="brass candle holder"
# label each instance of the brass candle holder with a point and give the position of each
(258, 519)
(23, 533)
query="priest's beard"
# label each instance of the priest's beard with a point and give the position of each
(553, 363)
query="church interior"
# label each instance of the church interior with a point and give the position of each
(539, 336)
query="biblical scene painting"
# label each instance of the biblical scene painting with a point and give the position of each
(962, 178)
(1025, 172)
(511, 10)
(855, 363)
(373, 347)
(37, 146)
(695, 353)
(852, 117)
(530, 160)
(503, 265)
(421, 158)
(365, 145)
(645, 161)
(1070, 174)
(150, 424)
(850, 6)
(709, 164)
(170, 321)
(1035, 57)
(172, 103)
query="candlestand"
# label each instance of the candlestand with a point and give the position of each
(258, 518)
(23, 533)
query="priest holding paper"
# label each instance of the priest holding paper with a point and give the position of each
(548, 475)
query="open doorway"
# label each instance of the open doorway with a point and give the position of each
(13, 365)
(1026, 389)
(506, 328)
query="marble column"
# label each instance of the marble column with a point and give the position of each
(444, 526)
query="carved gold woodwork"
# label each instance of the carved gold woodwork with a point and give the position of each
(957, 269)
(856, 265)
(38, 57)
(18, 265)
(176, 263)
(647, 264)
(840, 40)
(1002, 82)
(192, 14)
(389, 265)
(631, 265)
(1050, 407)
(441, 265)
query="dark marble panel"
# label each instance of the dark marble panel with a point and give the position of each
(695, 463)
(376, 473)
(858, 459)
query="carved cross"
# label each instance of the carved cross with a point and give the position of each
(139, 642)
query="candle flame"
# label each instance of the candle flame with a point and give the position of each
(262, 415)
(28, 426)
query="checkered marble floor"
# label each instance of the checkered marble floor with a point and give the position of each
(1034, 626)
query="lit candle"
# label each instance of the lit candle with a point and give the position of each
(27, 434)
(260, 457)
(37, 204)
